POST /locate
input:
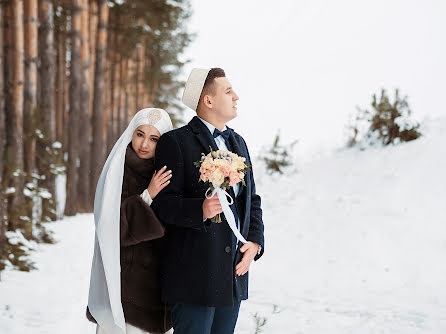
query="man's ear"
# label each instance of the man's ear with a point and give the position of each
(207, 101)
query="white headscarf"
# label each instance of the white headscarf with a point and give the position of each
(104, 300)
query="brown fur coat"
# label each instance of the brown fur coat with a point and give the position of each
(141, 249)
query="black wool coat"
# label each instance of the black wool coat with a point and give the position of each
(142, 246)
(199, 267)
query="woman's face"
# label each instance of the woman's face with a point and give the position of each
(144, 141)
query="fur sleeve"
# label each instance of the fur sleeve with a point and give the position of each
(138, 222)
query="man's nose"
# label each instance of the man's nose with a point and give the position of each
(235, 97)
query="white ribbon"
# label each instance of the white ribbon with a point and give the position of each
(223, 198)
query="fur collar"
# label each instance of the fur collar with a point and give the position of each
(142, 167)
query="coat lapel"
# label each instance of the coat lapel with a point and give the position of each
(203, 135)
(242, 193)
(235, 146)
(240, 152)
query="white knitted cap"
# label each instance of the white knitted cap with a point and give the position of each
(194, 86)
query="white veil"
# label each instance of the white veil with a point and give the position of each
(104, 300)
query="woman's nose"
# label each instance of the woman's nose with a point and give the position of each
(145, 143)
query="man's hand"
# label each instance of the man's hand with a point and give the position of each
(211, 207)
(250, 249)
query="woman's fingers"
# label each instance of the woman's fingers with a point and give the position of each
(162, 175)
(161, 171)
(163, 185)
(166, 176)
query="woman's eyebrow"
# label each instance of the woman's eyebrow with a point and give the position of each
(141, 131)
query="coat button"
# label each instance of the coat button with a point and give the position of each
(227, 249)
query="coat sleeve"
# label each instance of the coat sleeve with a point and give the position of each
(138, 222)
(170, 205)
(256, 228)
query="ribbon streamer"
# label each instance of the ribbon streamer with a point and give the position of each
(223, 198)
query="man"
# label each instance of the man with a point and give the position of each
(205, 275)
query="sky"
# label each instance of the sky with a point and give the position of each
(302, 67)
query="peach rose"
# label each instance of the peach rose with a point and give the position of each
(233, 178)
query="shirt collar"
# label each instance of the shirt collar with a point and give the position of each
(210, 127)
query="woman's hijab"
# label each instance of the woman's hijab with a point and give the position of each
(104, 300)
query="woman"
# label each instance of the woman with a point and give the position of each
(124, 292)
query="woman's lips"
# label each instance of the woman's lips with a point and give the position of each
(143, 152)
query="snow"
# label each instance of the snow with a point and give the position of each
(355, 243)
(53, 298)
(9, 190)
(44, 193)
(57, 144)
(61, 181)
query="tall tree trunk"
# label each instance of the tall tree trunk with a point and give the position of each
(106, 99)
(147, 68)
(47, 152)
(60, 45)
(132, 87)
(111, 86)
(84, 189)
(2, 147)
(122, 85)
(116, 95)
(126, 93)
(66, 86)
(97, 157)
(15, 119)
(75, 112)
(140, 78)
(93, 27)
(30, 98)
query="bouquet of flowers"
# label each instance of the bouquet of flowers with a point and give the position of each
(222, 169)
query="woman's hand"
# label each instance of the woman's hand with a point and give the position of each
(159, 180)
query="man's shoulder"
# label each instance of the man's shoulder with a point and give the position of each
(177, 133)
(237, 135)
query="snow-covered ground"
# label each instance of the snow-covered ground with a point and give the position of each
(355, 243)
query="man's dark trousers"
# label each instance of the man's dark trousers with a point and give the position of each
(193, 319)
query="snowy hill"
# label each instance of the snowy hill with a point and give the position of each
(355, 243)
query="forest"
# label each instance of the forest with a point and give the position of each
(72, 74)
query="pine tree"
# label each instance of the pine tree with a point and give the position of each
(278, 156)
(75, 112)
(386, 123)
(14, 117)
(77, 76)
(2, 148)
(29, 111)
(48, 148)
(97, 148)
(84, 188)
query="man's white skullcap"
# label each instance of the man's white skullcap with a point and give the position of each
(194, 86)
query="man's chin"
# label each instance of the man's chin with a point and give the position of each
(233, 115)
